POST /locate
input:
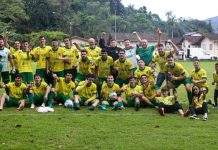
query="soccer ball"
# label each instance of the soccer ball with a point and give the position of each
(68, 104)
(44, 109)
(113, 95)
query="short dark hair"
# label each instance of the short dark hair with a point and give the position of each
(103, 50)
(18, 75)
(41, 36)
(170, 56)
(82, 51)
(216, 64)
(122, 50)
(54, 39)
(126, 40)
(132, 77)
(195, 58)
(160, 45)
(164, 89)
(36, 75)
(90, 76)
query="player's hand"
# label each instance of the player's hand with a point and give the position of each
(46, 97)
(134, 32)
(7, 33)
(103, 34)
(158, 32)
(13, 71)
(86, 103)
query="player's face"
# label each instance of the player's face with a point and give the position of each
(83, 55)
(110, 79)
(127, 43)
(132, 82)
(141, 64)
(54, 44)
(18, 80)
(90, 81)
(164, 93)
(144, 79)
(104, 55)
(17, 45)
(37, 79)
(92, 43)
(144, 43)
(196, 90)
(67, 42)
(25, 45)
(196, 64)
(170, 61)
(68, 77)
(121, 54)
(42, 41)
(160, 50)
(113, 43)
(1, 43)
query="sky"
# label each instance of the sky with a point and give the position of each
(196, 9)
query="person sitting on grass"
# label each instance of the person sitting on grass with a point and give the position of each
(215, 82)
(110, 94)
(64, 88)
(199, 106)
(38, 92)
(149, 92)
(16, 93)
(86, 93)
(168, 104)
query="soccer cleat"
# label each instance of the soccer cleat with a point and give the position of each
(43, 105)
(76, 106)
(210, 102)
(60, 104)
(161, 112)
(102, 107)
(121, 107)
(91, 107)
(137, 106)
(205, 118)
(193, 117)
(32, 106)
(115, 107)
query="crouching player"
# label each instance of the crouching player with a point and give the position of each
(168, 104)
(65, 87)
(86, 93)
(110, 92)
(16, 93)
(38, 92)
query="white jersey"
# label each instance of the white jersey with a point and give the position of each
(4, 60)
(131, 55)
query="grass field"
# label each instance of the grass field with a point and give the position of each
(126, 129)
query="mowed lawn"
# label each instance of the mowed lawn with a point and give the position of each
(126, 129)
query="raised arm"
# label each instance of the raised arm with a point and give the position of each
(138, 37)
(159, 33)
(175, 48)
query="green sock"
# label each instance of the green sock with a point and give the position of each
(103, 105)
(50, 98)
(189, 94)
(152, 105)
(120, 104)
(77, 105)
(30, 96)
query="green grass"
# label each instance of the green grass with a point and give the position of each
(127, 129)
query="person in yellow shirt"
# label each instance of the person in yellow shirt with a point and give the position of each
(160, 59)
(177, 75)
(84, 69)
(55, 62)
(24, 59)
(40, 54)
(64, 90)
(71, 63)
(38, 92)
(124, 68)
(215, 82)
(199, 76)
(86, 93)
(142, 69)
(168, 104)
(16, 94)
(110, 94)
(199, 105)
(133, 93)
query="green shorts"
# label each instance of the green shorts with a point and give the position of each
(60, 98)
(1, 66)
(185, 81)
(27, 77)
(38, 99)
(42, 73)
(59, 73)
(80, 77)
(13, 102)
(82, 101)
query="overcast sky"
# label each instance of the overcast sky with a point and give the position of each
(196, 9)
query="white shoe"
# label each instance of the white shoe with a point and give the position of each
(43, 105)
(32, 106)
(193, 117)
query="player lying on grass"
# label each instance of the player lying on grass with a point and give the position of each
(38, 92)
(168, 104)
(16, 93)
(199, 106)
(65, 87)
(86, 93)
(110, 94)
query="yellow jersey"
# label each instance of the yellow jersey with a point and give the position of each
(65, 88)
(199, 75)
(129, 90)
(43, 54)
(40, 89)
(124, 68)
(109, 89)
(168, 100)
(215, 79)
(198, 102)
(71, 54)
(16, 59)
(87, 91)
(55, 64)
(84, 66)
(149, 91)
(15, 91)
(161, 60)
(177, 70)
(104, 66)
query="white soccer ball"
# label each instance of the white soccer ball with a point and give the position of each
(113, 95)
(41, 109)
(68, 103)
